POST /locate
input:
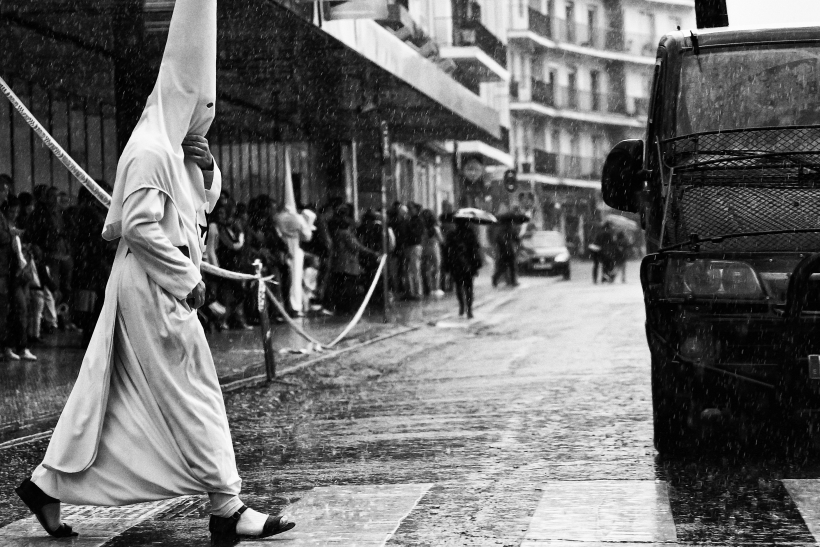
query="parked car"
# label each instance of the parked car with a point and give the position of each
(544, 251)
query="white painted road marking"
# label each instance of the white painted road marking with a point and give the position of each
(806, 495)
(363, 516)
(608, 511)
(96, 525)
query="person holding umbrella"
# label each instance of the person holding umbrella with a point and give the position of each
(463, 260)
(508, 241)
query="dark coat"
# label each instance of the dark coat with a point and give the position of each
(462, 252)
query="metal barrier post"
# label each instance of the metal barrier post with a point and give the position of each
(264, 323)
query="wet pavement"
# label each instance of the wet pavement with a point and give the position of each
(32, 394)
(529, 426)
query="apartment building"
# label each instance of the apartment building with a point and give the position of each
(580, 78)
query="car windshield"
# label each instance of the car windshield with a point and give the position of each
(738, 89)
(546, 239)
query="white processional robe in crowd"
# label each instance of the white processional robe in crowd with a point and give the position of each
(146, 419)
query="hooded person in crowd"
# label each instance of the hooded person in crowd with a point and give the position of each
(146, 419)
(293, 229)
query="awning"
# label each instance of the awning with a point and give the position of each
(376, 44)
(492, 156)
(278, 74)
(559, 181)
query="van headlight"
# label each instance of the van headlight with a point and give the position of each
(563, 257)
(715, 278)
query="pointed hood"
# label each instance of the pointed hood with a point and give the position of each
(289, 203)
(182, 102)
(185, 92)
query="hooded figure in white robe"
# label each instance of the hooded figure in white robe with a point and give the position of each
(146, 419)
(293, 229)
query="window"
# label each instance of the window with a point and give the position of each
(592, 24)
(569, 10)
(572, 89)
(595, 90)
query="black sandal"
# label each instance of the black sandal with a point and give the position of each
(223, 529)
(35, 499)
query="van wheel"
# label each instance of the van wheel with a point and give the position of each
(669, 418)
(567, 274)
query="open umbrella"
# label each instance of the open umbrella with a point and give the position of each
(513, 217)
(621, 223)
(475, 216)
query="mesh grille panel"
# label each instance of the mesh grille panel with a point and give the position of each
(715, 210)
(735, 181)
(731, 150)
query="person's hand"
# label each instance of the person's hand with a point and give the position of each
(196, 149)
(197, 297)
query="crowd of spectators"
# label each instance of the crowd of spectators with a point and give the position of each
(54, 264)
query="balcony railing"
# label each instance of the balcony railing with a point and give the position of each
(542, 92)
(568, 98)
(545, 162)
(473, 33)
(612, 39)
(540, 23)
(565, 165)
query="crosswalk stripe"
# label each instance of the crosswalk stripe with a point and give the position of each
(363, 516)
(806, 495)
(96, 525)
(611, 511)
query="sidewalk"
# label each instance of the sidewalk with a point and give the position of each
(32, 394)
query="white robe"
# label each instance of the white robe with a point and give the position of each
(146, 419)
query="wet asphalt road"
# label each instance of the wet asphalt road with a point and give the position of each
(540, 404)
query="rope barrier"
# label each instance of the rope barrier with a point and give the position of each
(350, 326)
(103, 197)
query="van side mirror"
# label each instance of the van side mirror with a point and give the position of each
(623, 177)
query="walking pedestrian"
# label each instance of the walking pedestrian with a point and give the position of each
(507, 243)
(413, 250)
(462, 261)
(146, 418)
(431, 253)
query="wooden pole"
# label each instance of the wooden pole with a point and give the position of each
(264, 323)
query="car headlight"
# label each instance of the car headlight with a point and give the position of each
(715, 278)
(563, 257)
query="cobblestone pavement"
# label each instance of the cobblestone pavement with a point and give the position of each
(530, 426)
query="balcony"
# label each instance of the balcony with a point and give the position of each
(578, 167)
(472, 33)
(477, 53)
(550, 31)
(542, 92)
(563, 165)
(545, 163)
(540, 23)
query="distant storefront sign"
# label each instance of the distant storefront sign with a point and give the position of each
(358, 9)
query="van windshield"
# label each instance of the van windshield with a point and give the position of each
(738, 89)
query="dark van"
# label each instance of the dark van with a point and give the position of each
(727, 186)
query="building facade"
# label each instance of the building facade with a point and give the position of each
(580, 78)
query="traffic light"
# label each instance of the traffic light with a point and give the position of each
(510, 180)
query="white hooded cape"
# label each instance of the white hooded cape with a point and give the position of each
(146, 419)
